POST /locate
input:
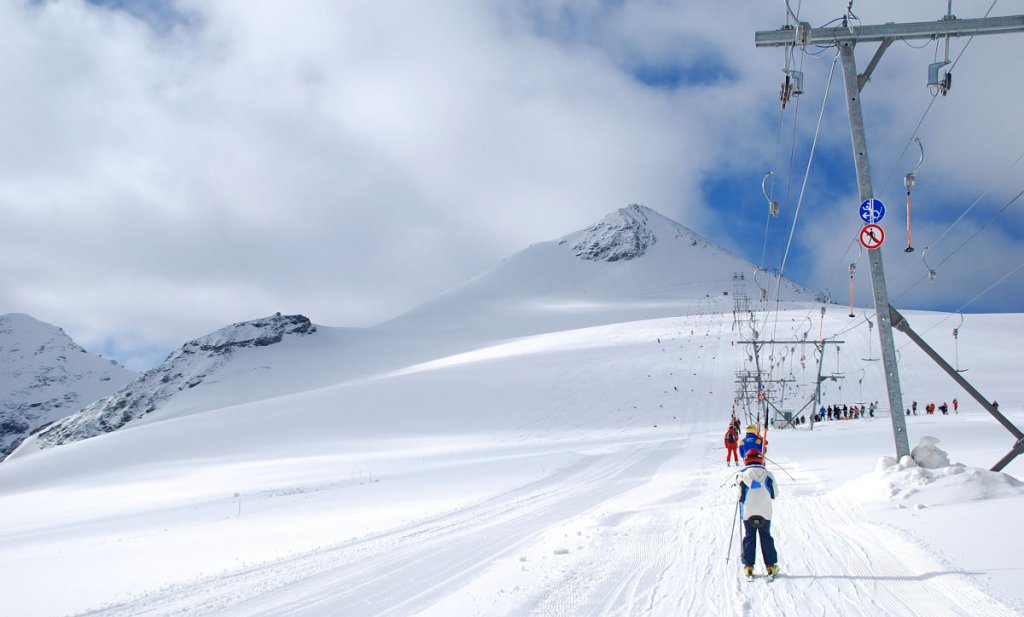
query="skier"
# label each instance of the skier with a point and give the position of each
(944, 408)
(751, 441)
(732, 442)
(956, 406)
(756, 490)
(913, 407)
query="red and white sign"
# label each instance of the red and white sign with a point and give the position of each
(872, 236)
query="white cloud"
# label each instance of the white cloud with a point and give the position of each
(226, 160)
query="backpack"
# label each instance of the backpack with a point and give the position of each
(730, 436)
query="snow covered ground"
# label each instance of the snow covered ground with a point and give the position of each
(576, 472)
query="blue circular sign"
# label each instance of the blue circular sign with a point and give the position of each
(872, 211)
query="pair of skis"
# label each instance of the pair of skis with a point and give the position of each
(769, 577)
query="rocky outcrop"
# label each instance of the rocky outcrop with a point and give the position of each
(184, 369)
(622, 235)
(46, 376)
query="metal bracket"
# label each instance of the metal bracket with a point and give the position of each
(900, 323)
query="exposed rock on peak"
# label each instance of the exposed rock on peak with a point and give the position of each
(45, 376)
(185, 368)
(256, 333)
(624, 234)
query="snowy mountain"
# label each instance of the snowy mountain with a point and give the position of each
(633, 264)
(195, 362)
(45, 376)
(532, 443)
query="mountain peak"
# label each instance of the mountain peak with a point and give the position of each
(622, 235)
(45, 375)
(626, 234)
(195, 362)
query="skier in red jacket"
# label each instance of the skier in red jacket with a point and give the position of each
(732, 443)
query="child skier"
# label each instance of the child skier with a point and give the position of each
(757, 489)
(732, 443)
(751, 440)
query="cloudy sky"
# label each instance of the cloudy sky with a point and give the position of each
(172, 166)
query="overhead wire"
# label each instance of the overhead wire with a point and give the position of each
(965, 242)
(914, 134)
(977, 297)
(976, 201)
(906, 147)
(803, 188)
(910, 140)
(928, 108)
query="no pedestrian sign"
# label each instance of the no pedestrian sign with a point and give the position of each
(872, 236)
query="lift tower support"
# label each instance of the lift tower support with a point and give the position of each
(846, 38)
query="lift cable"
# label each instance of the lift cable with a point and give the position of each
(931, 271)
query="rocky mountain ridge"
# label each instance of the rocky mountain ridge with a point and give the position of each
(184, 369)
(45, 376)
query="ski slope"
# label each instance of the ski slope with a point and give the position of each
(577, 472)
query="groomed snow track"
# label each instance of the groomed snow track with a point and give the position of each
(637, 529)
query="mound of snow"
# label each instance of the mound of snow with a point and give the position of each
(926, 478)
(928, 455)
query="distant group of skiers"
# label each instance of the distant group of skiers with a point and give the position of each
(930, 408)
(756, 488)
(844, 412)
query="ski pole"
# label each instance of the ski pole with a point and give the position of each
(780, 467)
(735, 515)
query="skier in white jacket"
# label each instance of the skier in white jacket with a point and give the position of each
(757, 488)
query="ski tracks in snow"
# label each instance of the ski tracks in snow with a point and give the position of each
(666, 557)
(411, 569)
(844, 564)
(639, 530)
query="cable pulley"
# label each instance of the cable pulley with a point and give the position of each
(792, 85)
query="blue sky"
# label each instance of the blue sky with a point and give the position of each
(173, 167)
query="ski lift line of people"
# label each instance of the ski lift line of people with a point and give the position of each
(857, 411)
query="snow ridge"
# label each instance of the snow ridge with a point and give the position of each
(185, 368)
(45, 376)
